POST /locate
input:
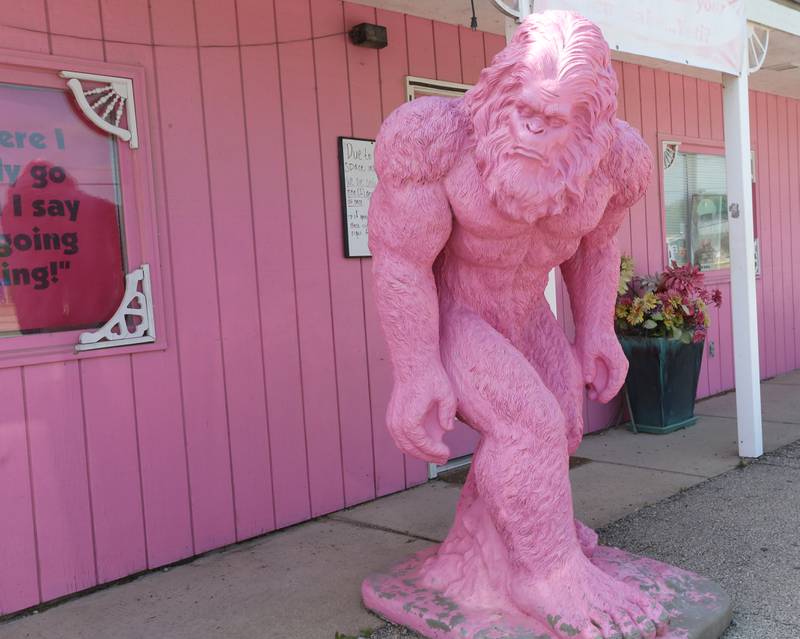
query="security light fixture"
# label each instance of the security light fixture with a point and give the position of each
(369, 35)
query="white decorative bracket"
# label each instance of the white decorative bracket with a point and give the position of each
(110, 101)
(757, 45)
(133, 321)
(670, 150)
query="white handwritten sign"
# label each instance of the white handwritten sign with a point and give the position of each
(357, 172)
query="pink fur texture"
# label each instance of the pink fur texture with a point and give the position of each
(478, 198)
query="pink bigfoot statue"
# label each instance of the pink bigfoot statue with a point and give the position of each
(478, 198)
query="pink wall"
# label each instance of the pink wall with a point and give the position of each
(267, 407)
(663, 104)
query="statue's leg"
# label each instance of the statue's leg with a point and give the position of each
(547, 348)
(521, 475)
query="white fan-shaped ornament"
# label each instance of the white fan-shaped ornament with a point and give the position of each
(105, 105)
(757, 45)
(670, 151)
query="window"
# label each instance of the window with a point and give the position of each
(61, 256)
(696, 208)
(419, 87)
(78, 237)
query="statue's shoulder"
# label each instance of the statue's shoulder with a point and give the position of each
(421, 140)
(629, 164)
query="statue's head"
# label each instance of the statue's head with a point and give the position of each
(543, 114)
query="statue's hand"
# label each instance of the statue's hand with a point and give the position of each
(420, 410)
(604, 365)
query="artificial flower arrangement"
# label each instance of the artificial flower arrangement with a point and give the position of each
(673, 304)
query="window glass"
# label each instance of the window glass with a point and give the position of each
(61, 254)
(696, 210)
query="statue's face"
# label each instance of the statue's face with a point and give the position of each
(540, 122)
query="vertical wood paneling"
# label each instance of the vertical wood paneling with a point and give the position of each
(293, 20)
(726, 339)
(19, 584)
(367, 114)
(492, 45)
(421, 52)
(347, 299)
(256, 20)
(80, 18)
(652, 199)
(472, 54)
(327, 18)
(624, 232)
(717, 120)
(173, 23)
(775, 273)
(60, 479)
(275, 263)
(786, 346)
(312, 277)
(127, 21)
(676, 104)
(195, 297)
(448, 56)
(217, 23)
(155, 376)
(757, 206)
(794, 217)
(638, 212)
(238, 289)
(703, 109)
(77, 47)
(765, 234)
(690, 108)
(113, 457)
(663, 102)
(24, 30)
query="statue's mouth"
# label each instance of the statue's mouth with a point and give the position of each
(528, 153)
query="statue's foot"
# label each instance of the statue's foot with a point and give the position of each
(587, 538)
(579, 600)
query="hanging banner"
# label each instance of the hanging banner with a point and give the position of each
(709, 34)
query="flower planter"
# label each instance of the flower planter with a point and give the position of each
(662, 382)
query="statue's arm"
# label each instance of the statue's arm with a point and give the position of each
(409, 223)
(408, 227)
(592, 274)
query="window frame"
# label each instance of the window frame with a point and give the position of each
(687, 144)
(138, 227)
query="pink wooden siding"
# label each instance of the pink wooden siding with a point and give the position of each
(267, 407)
(667, 105)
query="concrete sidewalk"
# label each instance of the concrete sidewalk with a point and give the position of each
(303, 583)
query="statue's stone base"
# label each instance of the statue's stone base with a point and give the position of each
(698, 608)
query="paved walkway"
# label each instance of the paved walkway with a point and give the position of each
(740, 528)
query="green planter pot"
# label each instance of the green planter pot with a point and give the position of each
(662, 382)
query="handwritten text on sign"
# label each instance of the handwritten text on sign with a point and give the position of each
(358, 182)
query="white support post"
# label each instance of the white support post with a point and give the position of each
(743, 276)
